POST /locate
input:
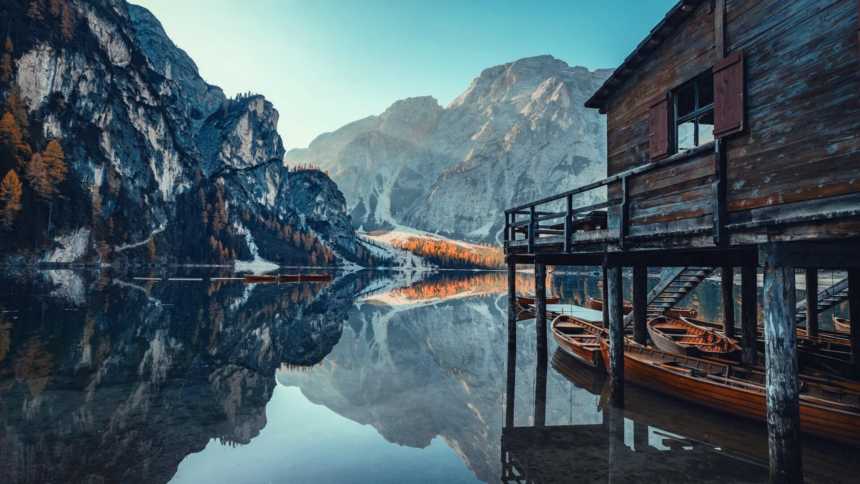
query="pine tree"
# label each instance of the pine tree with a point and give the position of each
(10, 197)
(67, 22)
(55, 163)
(6, 66)
(56, 7)
(15, 106)
(36, 9)
(36, 172)
(10, 135)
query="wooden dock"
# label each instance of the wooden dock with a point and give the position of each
(733, 144)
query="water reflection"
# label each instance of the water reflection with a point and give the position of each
(394, 377)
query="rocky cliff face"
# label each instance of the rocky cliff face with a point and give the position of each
(519, 132)
(161, 165)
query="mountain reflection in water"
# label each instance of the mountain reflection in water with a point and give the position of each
(374, 377)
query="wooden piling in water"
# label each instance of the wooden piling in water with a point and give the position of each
(605, 290)
(616, 335)
(640, 303)
(854, 317)
(542, 345)
(812, 302)
(749, 314)
(783, 404)
(512, 343)
(727, 284)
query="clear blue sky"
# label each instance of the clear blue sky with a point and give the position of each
(324, 63)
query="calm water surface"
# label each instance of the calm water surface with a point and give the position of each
(375, 377)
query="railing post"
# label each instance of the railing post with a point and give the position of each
(568, 224)
(625, 213)
(507, 228)
(532, 230)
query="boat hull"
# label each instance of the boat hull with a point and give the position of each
(584, 346)
(815, 419)
(684, 337)
(841, 325)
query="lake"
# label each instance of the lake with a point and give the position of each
(377, 376)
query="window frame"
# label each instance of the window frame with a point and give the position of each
(694, 115)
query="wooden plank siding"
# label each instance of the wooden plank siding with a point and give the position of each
(799, 143)
(674, 193)
(803, 114)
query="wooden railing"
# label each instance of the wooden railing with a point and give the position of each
(541, 218)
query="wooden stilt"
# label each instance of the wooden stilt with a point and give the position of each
(854, 316)
(640, 436)
(727, 283)
(783, 404)
(512, 345)
(605, 296)
(749, 313)
(540, 299)
(812, 302)
(542, 344)
(616, 336)
(540, 382)
(640, 303)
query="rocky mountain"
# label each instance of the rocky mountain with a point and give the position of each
(159, 164)
(519, 132)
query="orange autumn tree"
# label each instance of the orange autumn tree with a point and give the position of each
(10, 135)
(6, 61)
(46, 170)
(55, 163)
(10, 198)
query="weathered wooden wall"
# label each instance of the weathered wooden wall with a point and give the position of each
(803, 104)
(680, 193)
(801, 142)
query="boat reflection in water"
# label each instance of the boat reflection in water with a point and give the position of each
(654, 438)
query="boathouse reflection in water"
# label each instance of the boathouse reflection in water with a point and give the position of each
(654, 438)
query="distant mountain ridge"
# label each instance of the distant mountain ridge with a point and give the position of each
(519, 132)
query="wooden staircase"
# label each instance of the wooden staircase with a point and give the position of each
(674, 286)
(827, 298)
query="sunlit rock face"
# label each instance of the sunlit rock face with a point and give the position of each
(162, 165)
(519, 132)
(124, 386)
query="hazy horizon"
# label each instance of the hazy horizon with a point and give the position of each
(323, 65)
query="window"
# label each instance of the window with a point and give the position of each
(694, 112)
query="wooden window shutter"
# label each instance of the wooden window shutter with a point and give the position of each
(658, 141)
(729, 95)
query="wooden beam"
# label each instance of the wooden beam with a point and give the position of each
(727, 284)
(542, 345)
(640, 303)
(749, 313)
(605, 290)
(720, 28)
(782, 383)
(616, 335)
(512, 345)
(854, 316)
(812, 302)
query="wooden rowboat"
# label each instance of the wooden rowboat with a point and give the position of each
(597, 305)
(841, 324)
(578, 338)
(530, 300)
(826, 409)
(684, 337)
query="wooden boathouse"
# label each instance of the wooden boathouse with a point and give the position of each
(733, 142)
